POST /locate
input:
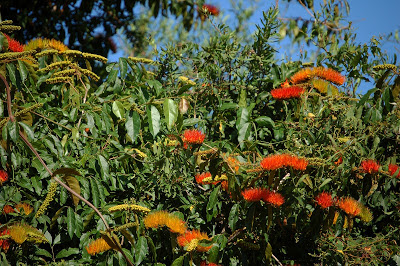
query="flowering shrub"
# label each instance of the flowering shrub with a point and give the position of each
(137, 165)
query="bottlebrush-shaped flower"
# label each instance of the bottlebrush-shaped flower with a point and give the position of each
(322, 86)
(350, 206)
(203, 176)
(189, 236)
(321, 72)
(8, 209)
(3, 176)
(42, 44)
(233, 163)
(324, 200)
(164, 218)
(97, 246)
(277, 161)
(287, 92)
(213, 10)
(370, 166)
(392, 170)
(339, 161)
(13, 45)
(254, 194)
(25, 207)
(193, 136)
(365, 215)
(274, 198)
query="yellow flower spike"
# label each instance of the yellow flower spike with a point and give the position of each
(55, 65)
(125, 226)
(187, 81)
(6, 22)
(207, 179)
(59, 80)
(72, 53)
(129, 207)
(9, 28)
(141, 60)
(140, 153)
(95, 57)
(90, 74)
(15, 55)
(48, 199)
(192, 245)
(223, 177)
(63, 73)
(47, 52)
(385, 66)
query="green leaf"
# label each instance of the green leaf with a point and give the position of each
(226, 106)
(67, 252)
(118, 109)
(170, 112)
(132, 125)
(265, 121)
(95, 192)
(23, 70)
(70, 222)
(327, 181)
(112, 76)
(11, 73)
(366, 96)
(213, 199)
(123, 67)
(244, 133)
(153, 116)
(268, 253)
(27, 130)
(43, 252)
(178, 261)
(242, 117)
(104, 167)
(66, 171)
(13, 130)
(73, 183)
(213, 254)
(233, 216)
(191, 122)
(141, 250)
(396, 88)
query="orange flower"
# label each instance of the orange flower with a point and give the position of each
(213, 10)
(277, 161)
(40, 43)
(4, 243)
(339, 161)
(274, 198)
(224, 185)
(13, 45)
(200, 177)
(370, 166)
(8, 209)
(324, 200)
(164, 218)
(350, 206)
(188, 236)
(26, 207)
(254, 194)
(193, 136)
(233, 163)
(3, 176)
(392, 170)
(302, 75)
(97, 246)
(287, 92)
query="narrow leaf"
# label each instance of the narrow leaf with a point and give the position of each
(153, 116)
(132, 125)
(170, 112)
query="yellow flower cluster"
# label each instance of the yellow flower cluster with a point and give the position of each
(48, 199)
(129, 207)
(164, 218)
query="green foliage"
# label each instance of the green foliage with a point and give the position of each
(123, 140)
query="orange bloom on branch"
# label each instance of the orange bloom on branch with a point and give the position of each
(193, 136)
(324, 73)
(97, 246)
(200, 177)
(370, 166)
(350, 206)
(13, 45)
(164, 218)
(3, 176)
(276, 161)
(8, 209)
(254, 194)
(274, 198)
(287, 92)
(324, 200)
(4, 243)
(213, 10)
(392, 170)
(188, 236)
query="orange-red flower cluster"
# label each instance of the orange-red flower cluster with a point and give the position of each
(257, 194)
(188, 236)
(320, 72)
(350, 206)
(324, 200)
(287, 92)
(339, 161)
(392, 170)
(20, 206)
(233, 163)
(3, 176)
(193, 136)
(213, 10)
(200, 177)
(8, 209)
(277, 161)
(164, 218)
(370, 166)
(97, 246)
(4, 243)
(13, 45)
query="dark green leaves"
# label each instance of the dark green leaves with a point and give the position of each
(132, 125)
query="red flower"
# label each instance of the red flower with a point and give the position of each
(188, 236)
(392, 170)
(329, 75)
(193, 136)
(350, 206)
(274, 198)
(13, 45)
(254, 194)
(8, 209)
(3, 176)
(287, 92)
(4, 243)
(302, 75)
(324, 200)
(224, 185)
(339, 161)
(370, 166)
(201, 177)
(213, 10)
(277, 161)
